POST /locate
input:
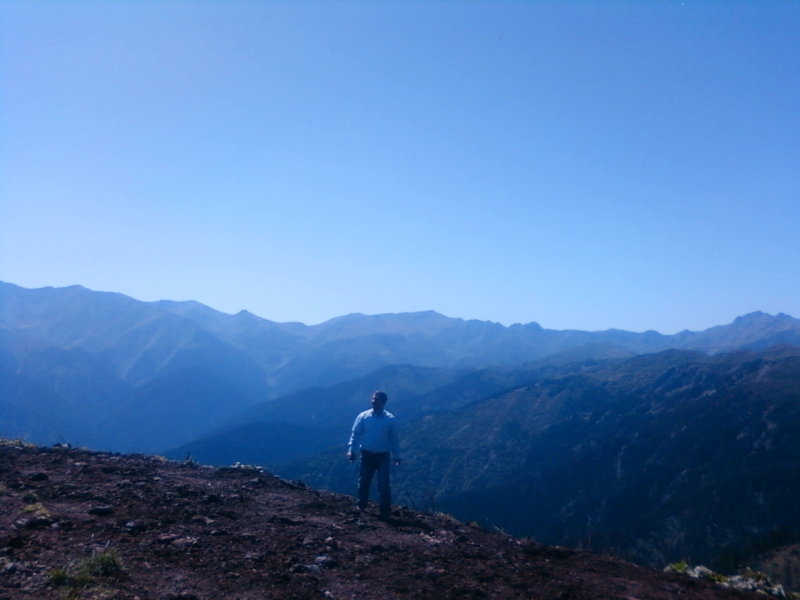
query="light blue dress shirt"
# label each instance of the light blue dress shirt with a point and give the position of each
(375, 433)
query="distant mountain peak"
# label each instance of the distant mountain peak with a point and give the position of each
(760, 315)
(246, 314)
(756, 314)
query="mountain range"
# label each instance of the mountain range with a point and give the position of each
(108, 371)
(652, 447)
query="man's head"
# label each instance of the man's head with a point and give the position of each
(379, 399)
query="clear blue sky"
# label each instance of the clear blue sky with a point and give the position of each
(585, 165)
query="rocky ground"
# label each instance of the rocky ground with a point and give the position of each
(80, 524)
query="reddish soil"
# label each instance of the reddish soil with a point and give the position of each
(184, 532)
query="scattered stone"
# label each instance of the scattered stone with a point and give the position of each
(184, 542)
(284, 520)
(39, 521)
(9, 568)
(166, 538)
(202, 520)
(325, 561)
(302, 568)
(101, 510)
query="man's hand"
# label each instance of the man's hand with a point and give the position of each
(351, 457)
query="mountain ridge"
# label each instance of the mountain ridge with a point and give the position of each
(155, 347)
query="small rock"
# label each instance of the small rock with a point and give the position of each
(185, 541)
(202, 520)
(101, 510)
(9, 568)
(301, 568)
(166, 538)
(38, 476)
(217, 532)
(325, 561)
(40, 521)
(284, 520)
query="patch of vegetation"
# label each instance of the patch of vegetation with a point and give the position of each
(499, 530)
(445, 515)
(16, 442)
(747, 580)
(81, 574)
(679, 567)
(717, 577)
(30, 498)
(756, 575)
(248, 468)
(37, 508)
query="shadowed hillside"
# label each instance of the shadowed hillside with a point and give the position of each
(658, 458)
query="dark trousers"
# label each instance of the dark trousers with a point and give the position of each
(371, 462)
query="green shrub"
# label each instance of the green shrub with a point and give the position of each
(58, 576)
(80, 574)
(16, 442)
(756, 575)
(104, 563)
(37, 508)
(679, 567)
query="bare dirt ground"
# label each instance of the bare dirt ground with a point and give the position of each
(80, 524)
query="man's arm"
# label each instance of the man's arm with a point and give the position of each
(355, 439)
(395, 441)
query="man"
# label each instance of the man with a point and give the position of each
(375, 435)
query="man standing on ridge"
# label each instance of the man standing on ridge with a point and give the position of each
(375, 434)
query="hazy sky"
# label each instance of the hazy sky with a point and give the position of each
(585, 165)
